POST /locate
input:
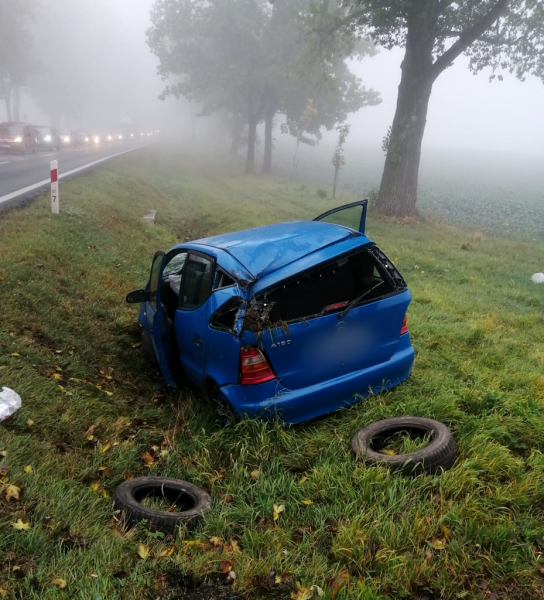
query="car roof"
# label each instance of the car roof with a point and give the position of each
(266, 249)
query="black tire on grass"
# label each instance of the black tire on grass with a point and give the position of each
(438, 455)
(195, 502)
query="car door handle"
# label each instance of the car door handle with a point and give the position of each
(197, 340)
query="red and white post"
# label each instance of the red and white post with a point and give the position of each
(55, 187)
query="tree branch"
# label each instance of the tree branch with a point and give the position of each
(468, 37)
(352, 17)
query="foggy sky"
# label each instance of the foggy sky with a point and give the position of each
(469, 117)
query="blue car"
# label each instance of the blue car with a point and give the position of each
(296, 319)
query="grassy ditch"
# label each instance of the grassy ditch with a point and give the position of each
(94, 413)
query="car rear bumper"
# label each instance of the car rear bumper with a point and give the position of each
(295, 406)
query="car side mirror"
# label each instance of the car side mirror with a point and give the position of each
(137, 297)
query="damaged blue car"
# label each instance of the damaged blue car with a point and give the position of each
(296, 319)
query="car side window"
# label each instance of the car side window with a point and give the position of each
(196, 284)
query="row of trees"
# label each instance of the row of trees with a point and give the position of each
(16, 62)
(253, 60)
(256, 59)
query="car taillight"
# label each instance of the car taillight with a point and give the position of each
(254, 367)
(404, 328)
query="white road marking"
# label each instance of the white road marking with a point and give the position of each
(45, 182)
(6, 162)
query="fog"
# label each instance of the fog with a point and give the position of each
(94, 53)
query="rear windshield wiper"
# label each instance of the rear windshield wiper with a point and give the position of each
(342, 314)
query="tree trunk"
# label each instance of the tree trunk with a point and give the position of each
(268, 129)
(7, 99)
(336, 169)
(237, 130)
(17, 103)
(398, 188)
(251, 139)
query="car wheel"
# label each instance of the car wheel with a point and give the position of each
(437, 455)
(224, 408)
(147, 347)
(192, 502)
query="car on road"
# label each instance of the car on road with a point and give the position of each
(82, 139)
(47, 138)
(19, 138)
(296, 319)
(67, 139)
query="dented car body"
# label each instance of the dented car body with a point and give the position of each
(296, 319)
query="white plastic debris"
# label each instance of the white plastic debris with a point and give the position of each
(10, 401)
(538, 278)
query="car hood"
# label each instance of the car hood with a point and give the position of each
(266, 249)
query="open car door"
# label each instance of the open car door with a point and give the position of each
(351, 215)
(155, 320)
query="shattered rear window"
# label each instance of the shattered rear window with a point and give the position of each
(325, 289)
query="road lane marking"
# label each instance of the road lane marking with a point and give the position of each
(5, 162)
(45, 182)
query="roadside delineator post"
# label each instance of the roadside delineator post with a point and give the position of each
(55, 187)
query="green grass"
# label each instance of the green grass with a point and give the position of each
(93, 409)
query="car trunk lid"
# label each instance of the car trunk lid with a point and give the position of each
(303, 329)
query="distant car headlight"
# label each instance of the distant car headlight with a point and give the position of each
(96, 139)
(109, 137)
(131, 135)
(119, 137)
(47, 138)
(18, 139)
(66, 138)
(86, 139)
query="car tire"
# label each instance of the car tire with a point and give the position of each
(437, 456)
(128, 495)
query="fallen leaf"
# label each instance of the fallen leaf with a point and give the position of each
(168, 552)
(216, 541)
(446, 532)
(339, 582)
(387, 452)
(3, 453)
(318, 590)
(15, 354)
(437, 544)
(106, 471)
(3, 593)
(20, 525)
(104, 492)
(143, 551)
(307, 502)
(2, 277)
(148, 459)
(106, 446)
(302, 593)
(59, 582)
(94, 575)
(29, 422)
(228, 498)
(226, 565)
(278, 509)
(28, 469)
(12, 491)
(255, 475)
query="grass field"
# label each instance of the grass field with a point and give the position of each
(94, 413)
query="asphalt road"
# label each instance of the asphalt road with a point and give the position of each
(22, 177)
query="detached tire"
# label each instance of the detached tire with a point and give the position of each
(193, 500)
(438, 455)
